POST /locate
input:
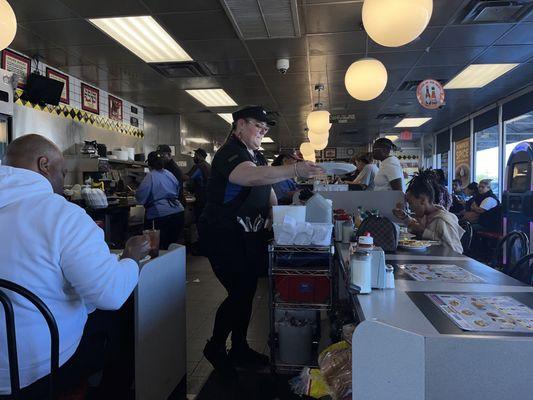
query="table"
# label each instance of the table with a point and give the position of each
(398, 348)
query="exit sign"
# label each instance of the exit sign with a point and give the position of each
(406, 135)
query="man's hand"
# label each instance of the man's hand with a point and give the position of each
(137, 247)
(399, 211)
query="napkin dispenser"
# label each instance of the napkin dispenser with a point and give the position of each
(379, 268)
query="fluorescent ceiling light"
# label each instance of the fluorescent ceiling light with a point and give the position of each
(197, 140)
(144, 37)
(267, 139)
(226, 117)
(392, 137)
(478, 75)
(411, 122)
(261, 149)
(212, 97)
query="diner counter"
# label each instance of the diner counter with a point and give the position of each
(404, 344)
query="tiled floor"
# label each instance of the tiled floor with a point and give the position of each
(204, 294)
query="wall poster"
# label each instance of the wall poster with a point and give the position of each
(330, 152)
(90, 99)
(17, 64)
(58, 76)
(115, 108)
(462, 161)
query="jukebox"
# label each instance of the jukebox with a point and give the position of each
(518, 194)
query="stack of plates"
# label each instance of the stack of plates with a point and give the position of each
(337, 168)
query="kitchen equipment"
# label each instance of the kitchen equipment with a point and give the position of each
(121, 155)
(90, 147)
(361, 272)
(140, 157)
(319, 209)
(101, 150)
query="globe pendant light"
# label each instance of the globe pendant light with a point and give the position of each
(318, 141)
(318, 120)
(8, 24)
(393, 23)
(307, 150)
(366, 79)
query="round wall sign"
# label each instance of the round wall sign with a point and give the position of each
(430, 94)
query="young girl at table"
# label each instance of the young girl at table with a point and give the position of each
(431, 221)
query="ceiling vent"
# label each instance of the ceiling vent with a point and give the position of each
(389, 117)
(407, 86)
(189, 69)
(264, 19)
(484, 11)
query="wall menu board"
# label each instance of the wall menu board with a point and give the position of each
(485, 313)
(462, 161)
(17, 64)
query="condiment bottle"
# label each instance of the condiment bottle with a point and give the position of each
(339, 221)
(361, 272)
(365, 243)
(389, 277)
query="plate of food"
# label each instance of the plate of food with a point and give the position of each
(411, 244)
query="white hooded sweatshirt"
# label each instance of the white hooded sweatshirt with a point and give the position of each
(54, 249)
(444, 226)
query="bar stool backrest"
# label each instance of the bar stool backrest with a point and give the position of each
(511, 248)
(466, 240)
(11, 336)
(523, 270)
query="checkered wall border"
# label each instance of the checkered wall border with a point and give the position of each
(65, 111)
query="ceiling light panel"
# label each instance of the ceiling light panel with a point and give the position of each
(144, 37)
(411, 122)
(212, 97)
(226, 117)
(267, 139)
(478, 75)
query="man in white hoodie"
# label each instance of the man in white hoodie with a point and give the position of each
(54, 249)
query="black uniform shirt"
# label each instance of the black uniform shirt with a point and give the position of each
(224, 197)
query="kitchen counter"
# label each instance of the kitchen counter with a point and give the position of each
(406, 346)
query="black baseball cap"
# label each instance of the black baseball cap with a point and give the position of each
(201, 152)
(256, 112)
(164, 148)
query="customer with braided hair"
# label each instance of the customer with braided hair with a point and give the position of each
(431, 220)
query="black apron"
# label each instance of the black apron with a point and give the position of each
(225, 241)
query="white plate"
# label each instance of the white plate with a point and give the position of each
(337, 168)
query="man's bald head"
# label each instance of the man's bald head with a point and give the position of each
(38, 154)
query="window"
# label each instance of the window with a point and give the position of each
(519, 129)
(486, 159)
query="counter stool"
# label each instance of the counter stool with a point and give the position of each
(466, 240)
(11, 337)
(523, 270)
(511, 248)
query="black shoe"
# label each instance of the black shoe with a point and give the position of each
(247, 357)
(219, 359)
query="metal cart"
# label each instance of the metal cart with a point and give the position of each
(307, 262)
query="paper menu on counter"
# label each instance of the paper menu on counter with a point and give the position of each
(439, 273)
(485, 313)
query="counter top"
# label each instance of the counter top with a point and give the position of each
(395, 307)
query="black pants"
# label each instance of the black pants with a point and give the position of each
(170, 228)
(107, 343)
(226, 252)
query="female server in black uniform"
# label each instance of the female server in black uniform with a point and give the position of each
(240, 186)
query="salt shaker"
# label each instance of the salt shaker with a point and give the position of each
(347, 230)
(389, 277)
